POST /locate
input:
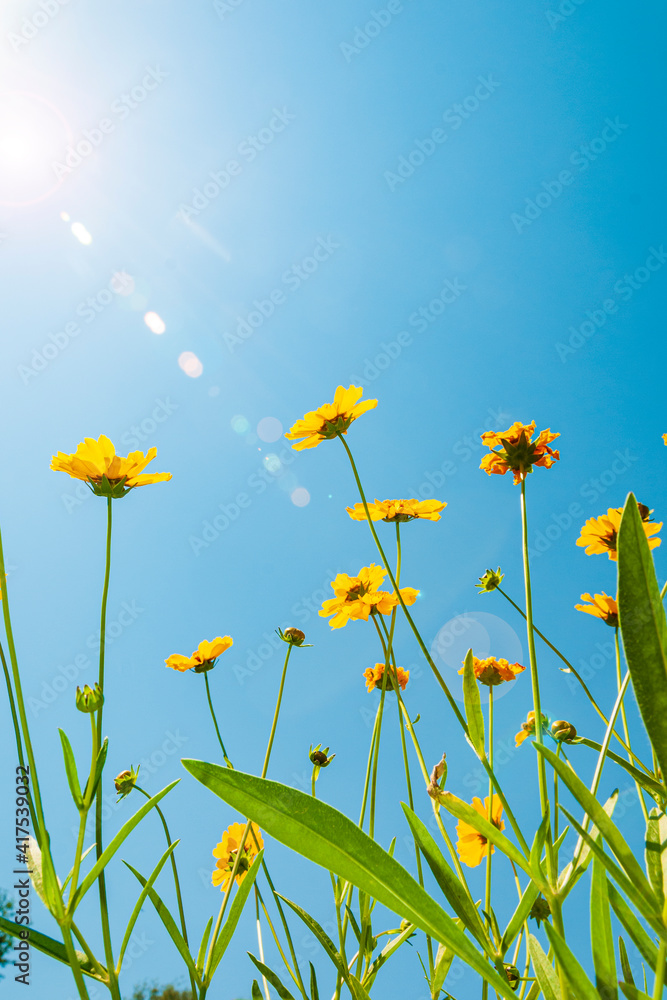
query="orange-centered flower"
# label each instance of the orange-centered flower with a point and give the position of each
(602, 606)
(398, 510)
(471, 846)
(227, 850)
(107, 474)
(373, 676)
(357, 597)
(330, 420)
(494, 671)
(528, 728)
(599, 535)
(514, 450)
(204, 656)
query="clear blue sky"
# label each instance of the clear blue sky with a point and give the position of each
(458, 204)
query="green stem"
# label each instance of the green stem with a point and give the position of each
(436, 673)
(260, 942)
(99, 847)
(276, 713)
(489, 848)
(215, 721)
(74, 961)
(660, 971)
(626, 731)
(83, 815)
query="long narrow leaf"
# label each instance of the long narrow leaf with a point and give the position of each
(579, 981)
(634, 929)
(235, 911)
(55, 949)
(327, 837)
(272, 978)
(643, 627)
(602, 940)
(472, 705)
(201, 954)
(321, 936)
(632, 993)
(656, 853)
(544, 970)
(519, 917)
(109, 852)
(457, 807)
(70, 769)
(647, 781)
(625, 964)
(569, 876)
(140, 902)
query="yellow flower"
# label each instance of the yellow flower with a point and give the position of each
(528, 728)
(599, 534)
(664, 438)
(331, 419)
(204, 656)
(471, 845)
(107, 474)
(517, 452)
(227, 850)
(357, 597)
(398, 510)
(492, 671)
(602, 606)
(373, 676)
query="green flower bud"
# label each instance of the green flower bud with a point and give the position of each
(125, 782)
(90, 699)
(490, 581)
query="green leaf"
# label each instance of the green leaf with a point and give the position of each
(235, 911)
(272, 978)
(643, 627)
(109, 851)
(99, 767)
(544, 970)
(443, 963)
(55, 949)
(321, 936)
(575, 975)
(457, 807)
(656, 858)
(635, 931)
(632, 993)
(602, 940)
(140, 902)
(388, 950)
(256, 992)
(169, 923)
(473, 707)
(448, 881)
(70, 770)
(568, 878)
(647, 781)
(314, 992)
(201, 954)
(71, 871)
(327, 837)
(625, 964)
(538, 847)
(519, 916)
(607, 828)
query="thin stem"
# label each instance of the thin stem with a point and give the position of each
(83, 815)
(274, 724)
(626, 731)
(422, 645)
(260, 942)
(660, 971)
(215, 721)
(74, 962)
(489, 846)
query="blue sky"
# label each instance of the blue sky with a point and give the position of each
(459, 206)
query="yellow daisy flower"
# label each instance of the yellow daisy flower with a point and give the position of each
(517, 452)
(599, 535)
(528, 728)
(357, 597)
(331, 419)
(204, 656)
(471, 846)
(373, 677)
(398, 510)
(602, 606)
(227, 850)
(107, 474)
(492, 671)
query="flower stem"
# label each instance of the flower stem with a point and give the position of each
(215, 721)
(276, 713)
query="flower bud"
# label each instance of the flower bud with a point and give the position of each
(513, 976)
(438, 773)
(540, 910)
(320, 758)
(490, 581)
(292, 636)
(90, 699)
(125, 782)
(563, 731)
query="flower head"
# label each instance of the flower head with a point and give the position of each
(599, 535)
(319, 757)
(398, 510)
(514, 450)
(125, 782)
(105, 472)
(90, 699)
(528, 728)
(471, 845)
(227, 851)
(490, 581)
(664, 438)
(492, 671)
(601, 606)
(563, 731)
(540, 910)
(357, 597)
(292, 636)
(331, 419)
(374, 675)
(204, 656)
